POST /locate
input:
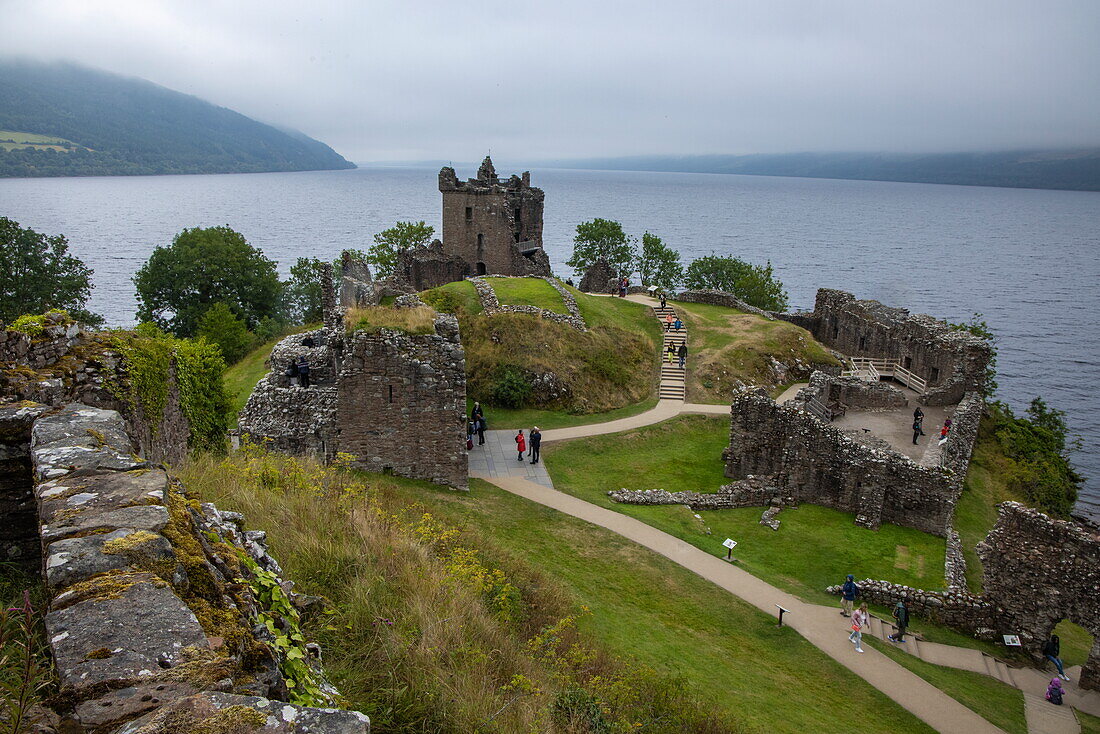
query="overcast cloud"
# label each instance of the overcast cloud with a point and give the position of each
(412, 79)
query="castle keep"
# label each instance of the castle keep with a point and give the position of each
(494, 226)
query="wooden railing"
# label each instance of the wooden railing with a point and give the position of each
(872, 369)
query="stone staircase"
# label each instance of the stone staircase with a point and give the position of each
(673, 385)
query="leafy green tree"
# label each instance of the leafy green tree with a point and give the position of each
(219, 325)
(303, 291)
(390, 243)
(753, 284)
(201, 267)
(602, 238)
(1038, 465)
(659, 264)
(38, 274)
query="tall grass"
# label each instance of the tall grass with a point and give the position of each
(429, 629)
(419, 320)
(26, 672)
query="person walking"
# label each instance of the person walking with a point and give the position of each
(536, 442)
(682, 353)
(1052, 648)
(478, 418)
(303, 371)
(521, 444)
(668, 322)
(677, 325)
(860, 619)
(848, 593)
(901, 619)
(671, 351)
(917, 430)
(663, 300)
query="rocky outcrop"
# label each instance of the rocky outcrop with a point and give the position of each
(356, 284)
(148, 616)
(599, 278)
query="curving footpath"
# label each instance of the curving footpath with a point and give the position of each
(817, 623)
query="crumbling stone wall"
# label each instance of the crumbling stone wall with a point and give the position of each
(956, 608)
(495, 226)
(813, 461)
(721, 298)
(429, 266)
(1039, 571)
(356, 284)
(147, 616)
(394, 401)
(68, 363)
(19, 530)
(490, 304)
(952, 362)
(851, 391)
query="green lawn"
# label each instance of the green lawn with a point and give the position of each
(647, 607)
(460, 293)
(607, 311)
(1089, 724)
(528, 292)
(508, 418)
(685, 454)
(997, 702)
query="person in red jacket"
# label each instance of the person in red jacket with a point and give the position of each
(521, 444)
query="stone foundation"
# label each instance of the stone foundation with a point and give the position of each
(490, 304)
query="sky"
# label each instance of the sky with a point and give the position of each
(543, 79)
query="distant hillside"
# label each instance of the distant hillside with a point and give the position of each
(67, 120)
(1065, 169)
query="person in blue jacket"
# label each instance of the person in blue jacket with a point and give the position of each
(848, 594)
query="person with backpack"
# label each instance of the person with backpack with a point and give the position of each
(901, 619)
(536, 442)
(521, 444)
(848, 593)
(1055, 691)
(1052, 648)
(860, 619)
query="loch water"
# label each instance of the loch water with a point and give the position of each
(1026, 259)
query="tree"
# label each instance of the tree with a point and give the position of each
(303, 291)
(38, 274)
(602, 238)
(753, 284)
(219, 325)
(201, 267)
(659, 264)
(390, 243)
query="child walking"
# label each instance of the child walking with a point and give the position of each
(860, 618)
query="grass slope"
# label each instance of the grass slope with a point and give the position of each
(728, 347)
(997, 702)
(527, 292)
(685, 454)
(525, 369)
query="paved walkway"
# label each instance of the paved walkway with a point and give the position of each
(498, 458)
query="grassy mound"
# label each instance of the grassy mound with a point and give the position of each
(523, 368)
(727, 347)
(527, 292)
(685, 454)
(437, 627)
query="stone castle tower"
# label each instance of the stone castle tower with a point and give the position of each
(495, 226)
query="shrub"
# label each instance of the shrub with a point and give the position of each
(219, 325)
(510, 387)
(1039, 466)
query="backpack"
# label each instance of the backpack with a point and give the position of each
(1054, 695)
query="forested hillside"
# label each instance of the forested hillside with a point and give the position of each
(67, 120)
